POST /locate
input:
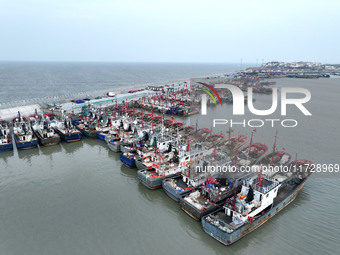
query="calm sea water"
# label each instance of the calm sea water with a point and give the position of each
(20, 81)
(79, 199)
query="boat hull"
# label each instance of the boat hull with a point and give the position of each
(69, 138)
(101, 136)
(129, 162)
(89, 133)
(194, 212)
(140, 165)
(48, 141)
(230, 238)
(6, 147)
(172, 192)
(125, 148)
(114, 146)
(149, 182)
(27, 144)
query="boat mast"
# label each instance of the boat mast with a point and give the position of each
(274, 148)
(251, 141)
(295, 163)
(188, 145)
(259, 177)
(229, 133)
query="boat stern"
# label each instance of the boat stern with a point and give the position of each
(216, 233)
(151, 183)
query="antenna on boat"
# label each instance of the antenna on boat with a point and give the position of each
(188, 145)
(235, 160)
(229, 133)
(251, 139)
(274, 148)
(235, 194)
(259, 178)
(196, 128)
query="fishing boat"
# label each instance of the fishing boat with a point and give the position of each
(5, 137)
(67, 131)
(206, 198)
(76, 120)
(87, 129)
(193, 176)
(102, 132)
(233, 144)
(144, 158)
(147, 156)
(112, 135)
(114, 143)
(103, 127)
(128, 143)
(251, 154)
(177, 186)
(275, 158)
(153, 176)
(129, 158)
(258, 201)
(159, 166)
(301, 167)
(23, 134)
(45, 133)
(169, 164)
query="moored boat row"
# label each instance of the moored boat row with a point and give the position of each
(180, 159)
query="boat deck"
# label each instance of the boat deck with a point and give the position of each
(180, 183)
(220, 215)
(284, 192)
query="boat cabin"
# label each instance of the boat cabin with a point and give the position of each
(253, 199)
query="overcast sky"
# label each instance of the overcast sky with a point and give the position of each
(170, 31)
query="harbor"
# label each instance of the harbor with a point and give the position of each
(169, 127)
(157, 147)
(106, 192)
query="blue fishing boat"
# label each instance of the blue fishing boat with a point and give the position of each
(76, 120)
(101, 136)
(23, 134)
(5, 137)
(67, 131)
(173, 110)
(128, 159)
(104, 128)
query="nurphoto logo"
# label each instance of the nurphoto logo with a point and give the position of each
(238, 105)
